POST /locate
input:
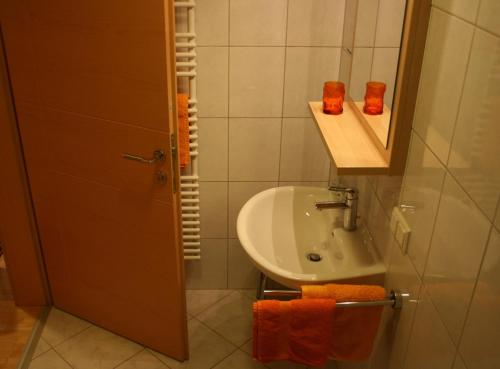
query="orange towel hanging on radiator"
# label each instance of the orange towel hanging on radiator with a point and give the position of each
(183, 128)
(354, 328)
(297, 330)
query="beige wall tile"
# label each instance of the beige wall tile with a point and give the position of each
(423, 181)
(475, 151)
(239, 194)
(254, 149)
(213, 148)
(213, 209)
(315, 23)
(479, 346)
(210, 272)
(350, 15)
(395, 329)
(488, 15)
(303, 154)
(241, 271)
(366, 23)
(385, 68)
(390, 23)
(345, 68)
(457, 246)
(212, 22)
(256, 81)
(361, 72)
(466, 9)
(212, 81)
(378, 225)
(258, 22)
(307, 69)
(443, 72)
(430, 346)
(306, 184)
(388, 191)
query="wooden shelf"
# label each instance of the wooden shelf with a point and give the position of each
(351, 148)
(378, 124)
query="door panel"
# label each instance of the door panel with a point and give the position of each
(92, 148)
(109, 230)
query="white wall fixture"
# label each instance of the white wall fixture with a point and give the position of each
(185, 54)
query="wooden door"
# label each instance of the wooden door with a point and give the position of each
(92, 80)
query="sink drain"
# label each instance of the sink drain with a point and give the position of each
(314, 257)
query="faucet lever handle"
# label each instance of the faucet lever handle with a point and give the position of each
(353, 192)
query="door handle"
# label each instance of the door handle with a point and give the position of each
(158, 155)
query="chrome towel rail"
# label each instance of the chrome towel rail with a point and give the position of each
(395, 299)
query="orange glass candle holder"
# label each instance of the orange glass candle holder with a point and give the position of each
(333, 97)
(374, 98)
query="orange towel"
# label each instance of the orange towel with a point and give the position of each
(297, 330)
(354, 329)
(183, 127)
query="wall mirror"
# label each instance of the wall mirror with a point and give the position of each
(370, 52)
(383, 40)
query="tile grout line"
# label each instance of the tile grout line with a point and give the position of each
(374, 40)
(474, 288)
(213, 330)
(131, 357)
(228, 135)
(61, 357)
(213, 304)
(450, 173)
(461, 98)
(283, 90)
(472, 23)
(71, 337)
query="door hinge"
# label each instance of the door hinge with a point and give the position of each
(173, 145)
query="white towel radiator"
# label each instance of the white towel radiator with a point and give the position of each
(185, 52)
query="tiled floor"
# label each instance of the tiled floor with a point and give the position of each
(220, 330)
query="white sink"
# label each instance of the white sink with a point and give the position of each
(280, 227)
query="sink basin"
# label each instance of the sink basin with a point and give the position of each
(293, 243)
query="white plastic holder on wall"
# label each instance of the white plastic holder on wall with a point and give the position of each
(400, 228)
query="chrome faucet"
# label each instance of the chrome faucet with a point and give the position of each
(350, 206)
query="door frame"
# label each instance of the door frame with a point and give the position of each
(18, 228)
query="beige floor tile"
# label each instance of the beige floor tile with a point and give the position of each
(61, 326)
(289, 365)
(96, 348)
(231, 318)
(251, 293)
(247, 347)
(49, 360)
(199, 300)
(41, 347)
(239, 360)
(143, 360)
(206, 349)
